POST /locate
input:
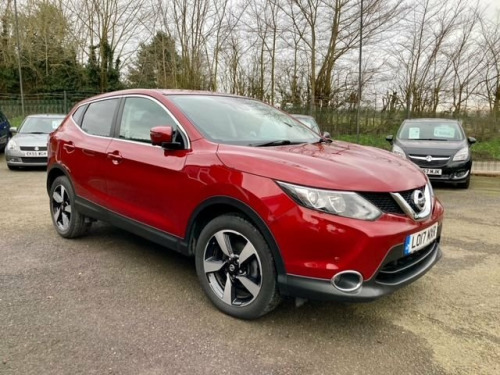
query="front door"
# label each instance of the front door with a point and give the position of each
(144, 180)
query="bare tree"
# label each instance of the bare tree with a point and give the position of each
(110, 26)
(466, 58)
(420, 65)
(490, 79)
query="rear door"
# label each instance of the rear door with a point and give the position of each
(85, 150)
(145, 182)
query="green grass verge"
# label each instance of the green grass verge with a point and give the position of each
(482, 150)
(16, 121)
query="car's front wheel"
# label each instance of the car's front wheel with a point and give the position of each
(465, 185)
(236, 268)
(69, 223)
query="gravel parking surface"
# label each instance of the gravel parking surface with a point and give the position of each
(113, 303)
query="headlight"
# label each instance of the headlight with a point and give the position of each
(431, 190)
(341, 203)
(398, 151)
(12, 145)
(462, 154)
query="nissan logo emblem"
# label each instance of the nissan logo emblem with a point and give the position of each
(418, 199)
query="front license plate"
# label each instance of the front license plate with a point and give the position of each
(35, 153)
(433, 172)
(419, 240)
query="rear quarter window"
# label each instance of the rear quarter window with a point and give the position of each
(78, 115)
(98, 118)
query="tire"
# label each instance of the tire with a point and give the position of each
(68, 222)
(243, 288)
(12, 167)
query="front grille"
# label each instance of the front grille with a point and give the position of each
(386, 203)
(26, 148)
(407, 197)
(429, 164)
(398, 270)
(34, 160)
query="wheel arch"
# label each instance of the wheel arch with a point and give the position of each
(53, 173)
(217, 206)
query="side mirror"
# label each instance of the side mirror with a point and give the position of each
(326, 135)
(471, 140)
(389, 138)
(13, 130)
(163, 136)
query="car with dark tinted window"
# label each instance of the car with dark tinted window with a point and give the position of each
(28, 145)
(438, 146)
(267, 207)
(4, 131)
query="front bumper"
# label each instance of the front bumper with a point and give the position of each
(19, 159)
(390, 277)
(453, 171)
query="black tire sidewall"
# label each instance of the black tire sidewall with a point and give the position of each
(73, 222)
(265, 301)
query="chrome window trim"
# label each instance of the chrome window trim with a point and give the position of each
(179, 126)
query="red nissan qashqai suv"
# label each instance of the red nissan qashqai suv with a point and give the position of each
(267, 207)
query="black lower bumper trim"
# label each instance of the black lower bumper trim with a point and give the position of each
(320, 289)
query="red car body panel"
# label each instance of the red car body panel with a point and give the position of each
(338, 166)
(84, 158)
(163, 189)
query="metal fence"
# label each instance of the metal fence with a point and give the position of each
(62, 102)
(338, 122)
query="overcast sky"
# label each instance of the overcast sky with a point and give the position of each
(493, 7)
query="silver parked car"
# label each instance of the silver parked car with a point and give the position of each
(28, 145)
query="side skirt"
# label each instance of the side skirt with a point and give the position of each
(97, 212)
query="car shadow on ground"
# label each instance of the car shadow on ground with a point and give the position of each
(178, 272)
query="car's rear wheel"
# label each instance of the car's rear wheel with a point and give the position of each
(69, 223)
(236, 268)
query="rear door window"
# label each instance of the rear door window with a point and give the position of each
(98, 119)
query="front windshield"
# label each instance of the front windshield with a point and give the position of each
(432, 131)
(309, 122)
(40, 125)
(243, 121)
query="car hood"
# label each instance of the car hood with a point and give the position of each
(338, 165)
(31, 140)
(435, 148)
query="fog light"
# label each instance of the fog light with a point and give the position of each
(460, 175)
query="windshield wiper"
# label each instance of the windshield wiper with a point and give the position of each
(279, 142)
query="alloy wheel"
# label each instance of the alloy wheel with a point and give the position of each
(233, 268)
(61, 208)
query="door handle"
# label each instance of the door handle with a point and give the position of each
(69, 147)
(115, 156)
(88, 152)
